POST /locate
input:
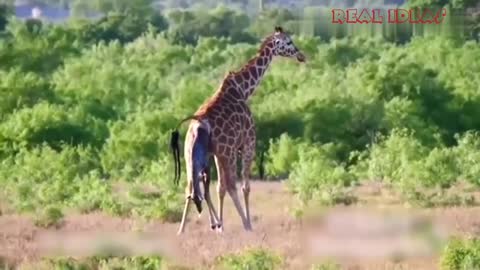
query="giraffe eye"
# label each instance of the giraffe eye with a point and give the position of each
(289, 43)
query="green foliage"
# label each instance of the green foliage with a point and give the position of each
(40, 50)
(86, 104)
(282, 154)
(415, 169)
(326, 266)
(106, 262)
(316, 175)
(461, 254)
(136, 144)
(49, 217)
(468, 156)
(43, 176)
(188, 26)
(250, 259)
(22, 89)
(262, 25)
(117, 27)
(51, 124)
(4, 13)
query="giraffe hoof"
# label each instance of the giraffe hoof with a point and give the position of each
(213, 226)
(219, 228)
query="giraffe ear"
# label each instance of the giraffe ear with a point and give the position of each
(278, 29)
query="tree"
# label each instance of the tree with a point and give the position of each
(5, 11)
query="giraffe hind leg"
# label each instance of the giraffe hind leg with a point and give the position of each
(229, 183)
(208, 199)
(181, 229)
(247, 159)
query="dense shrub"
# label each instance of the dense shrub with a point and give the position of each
(461, 254)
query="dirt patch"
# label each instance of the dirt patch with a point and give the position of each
(380, 236)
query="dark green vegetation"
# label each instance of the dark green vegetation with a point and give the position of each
(86, 109)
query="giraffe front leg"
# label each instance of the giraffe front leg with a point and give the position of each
(246, 193)
(221, 191)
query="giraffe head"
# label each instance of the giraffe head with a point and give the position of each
(284, 46)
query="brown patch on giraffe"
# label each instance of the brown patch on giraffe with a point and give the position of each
(229, 110)
(260, 71)
(253, 71)
(239, 109)
(222, 139)
(246, 75)
(238, 78)
(216, 132)
(221, 148)
(260, 61)
(229, 98)
(235, 93)
(245, 84)
(251, 132)
(219, 123)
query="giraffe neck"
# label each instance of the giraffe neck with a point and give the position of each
(248, 78)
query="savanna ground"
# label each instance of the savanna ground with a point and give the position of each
(378, 231)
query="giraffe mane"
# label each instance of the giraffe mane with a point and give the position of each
(230, 75)
(251, 62)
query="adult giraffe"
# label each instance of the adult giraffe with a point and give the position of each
(223, 126)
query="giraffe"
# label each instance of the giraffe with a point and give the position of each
(223, 127)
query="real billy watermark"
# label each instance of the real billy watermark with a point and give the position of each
(393, 16)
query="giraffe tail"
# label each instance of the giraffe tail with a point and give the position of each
(175, 147)
(176, 155)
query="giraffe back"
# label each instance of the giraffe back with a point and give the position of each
(229, 116)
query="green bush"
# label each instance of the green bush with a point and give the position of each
(55, 125)
(50, 216)
(250, 259)
(461, 254)
(317, 176)
(282, 155)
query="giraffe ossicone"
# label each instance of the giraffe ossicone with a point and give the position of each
(224, 126)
